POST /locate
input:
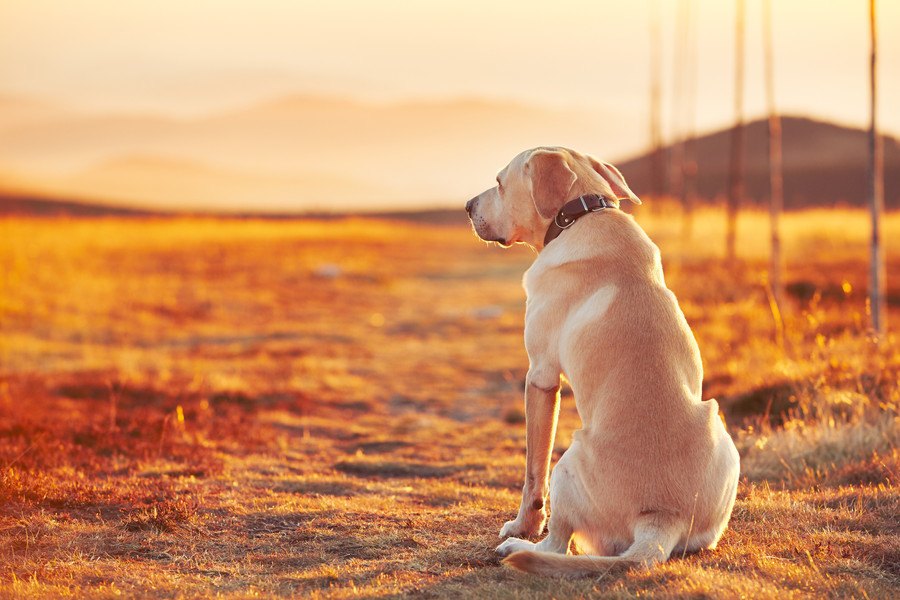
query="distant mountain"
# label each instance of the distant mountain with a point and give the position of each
(12, 203)
(399, 154)
(18, 204)
(175, 184)
(824, 164)
(308, 152)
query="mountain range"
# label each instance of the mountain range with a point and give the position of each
(294, 153)
(315, 153)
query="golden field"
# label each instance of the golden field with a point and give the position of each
(215, 407)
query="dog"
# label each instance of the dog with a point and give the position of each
(653, 470)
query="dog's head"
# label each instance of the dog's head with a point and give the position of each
(533, 187)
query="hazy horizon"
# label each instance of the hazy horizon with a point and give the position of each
(100, 83)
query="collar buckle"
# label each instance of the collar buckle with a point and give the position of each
(604, 204)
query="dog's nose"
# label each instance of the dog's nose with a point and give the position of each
(469, 205)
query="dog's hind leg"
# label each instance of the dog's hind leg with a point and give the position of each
(566, 498)
(655, 536)
(511, 545)
(563, 500)
(556, 542)
(558, 538)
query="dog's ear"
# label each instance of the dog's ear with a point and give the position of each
(551, 179)
(615, 180)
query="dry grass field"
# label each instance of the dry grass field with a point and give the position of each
(200, 407)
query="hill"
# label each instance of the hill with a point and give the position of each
(409, 154)
(175, 184)
(301, 153)
(824, 164)
(13, 204)
(27, 205)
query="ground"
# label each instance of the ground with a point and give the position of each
(198, 407)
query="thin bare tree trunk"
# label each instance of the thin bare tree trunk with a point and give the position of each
(689, 176)
(877, 282)
(736, 170)
(676, 158)
(682, 165)
(689, 189)
(776, 194)
(656, 158)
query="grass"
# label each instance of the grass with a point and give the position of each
(195, 407)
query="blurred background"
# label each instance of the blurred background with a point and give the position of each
(286, 106)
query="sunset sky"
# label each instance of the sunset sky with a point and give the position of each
(190, 58)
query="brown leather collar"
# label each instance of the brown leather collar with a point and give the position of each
(574, 210)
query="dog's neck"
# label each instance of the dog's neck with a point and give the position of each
(614, 239)
(574, 210)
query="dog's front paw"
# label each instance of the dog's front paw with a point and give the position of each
(513, 545)
(524, 528)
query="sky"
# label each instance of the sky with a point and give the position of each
(184, 57)
(190, 58)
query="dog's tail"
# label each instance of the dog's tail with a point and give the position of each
(653, 543)
(565, 565)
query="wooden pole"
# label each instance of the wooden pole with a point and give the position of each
(776, 192)
(676, 159)
(656, 157)
(685, 76)
(736, 170)
(689, 173)
(877, 306)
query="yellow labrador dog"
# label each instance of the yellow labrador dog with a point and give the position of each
(653, 470)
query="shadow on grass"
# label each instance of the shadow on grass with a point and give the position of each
(407, 469)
